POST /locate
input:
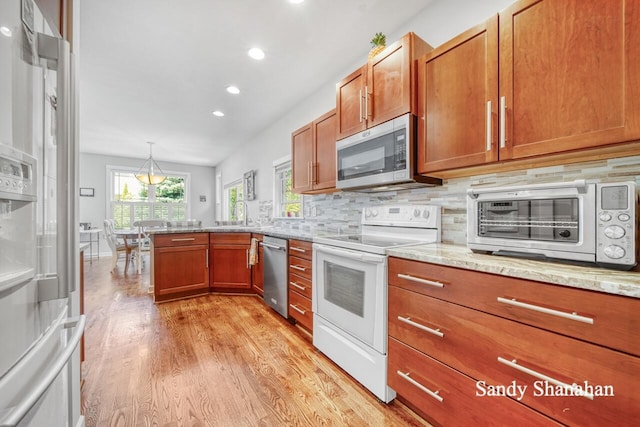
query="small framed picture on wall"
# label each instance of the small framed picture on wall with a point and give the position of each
(249, 185)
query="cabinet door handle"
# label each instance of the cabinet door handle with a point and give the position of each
(503, 122)
(295, 285)
(408, 321)
(571, 316)
(360, 104)
(420, 280)
(309, 173)
(433, 394)
(206, 257)
(247, 256)
(366, 103)
(303, 312)
(186, 239)
(297, 249)
(514, 364)
(489, 126)
(297, 267)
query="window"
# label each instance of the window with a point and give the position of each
(130, 200)
(234, 198)
(286, 204)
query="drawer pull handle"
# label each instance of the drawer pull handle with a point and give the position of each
(571, 316)
(296, 249)
(295, 285)
(297, 267)
(303, 312)
(408, 321)
(514, 364)
(186, 239)
(419, 280)
(433, 394)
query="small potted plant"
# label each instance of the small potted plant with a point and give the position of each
(378, 43)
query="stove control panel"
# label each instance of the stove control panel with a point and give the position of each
(419, 216)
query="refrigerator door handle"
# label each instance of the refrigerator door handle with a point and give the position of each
(57, 53)
(18, 412)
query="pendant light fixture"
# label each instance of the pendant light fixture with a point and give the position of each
(150, 173)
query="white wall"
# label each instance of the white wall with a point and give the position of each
(437, 23)
(93, 174)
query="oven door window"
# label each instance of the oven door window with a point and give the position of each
(537, 219)
(344, 287)
(372, 157)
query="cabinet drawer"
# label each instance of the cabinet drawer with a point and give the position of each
(300, 285)
(230, 238)
(609, 320)
(180, 239)
(447, 397)
(483, 346)
(300, 249)
(300, 267)
(300, 309)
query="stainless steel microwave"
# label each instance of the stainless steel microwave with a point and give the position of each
(381, 158)
(577, 221)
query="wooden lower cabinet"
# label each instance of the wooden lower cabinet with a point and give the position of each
(300, 277)
(500, 352)
(229, 258)
(447, 397)
(180, 265)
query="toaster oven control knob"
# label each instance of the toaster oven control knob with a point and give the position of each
(614, 232)
(614, 251)
(605, 217)
(565, 233)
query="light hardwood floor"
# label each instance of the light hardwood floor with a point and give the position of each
(216, 360)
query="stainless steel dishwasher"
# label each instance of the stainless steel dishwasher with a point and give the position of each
(275, 274)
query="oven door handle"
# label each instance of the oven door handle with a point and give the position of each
(353, 255)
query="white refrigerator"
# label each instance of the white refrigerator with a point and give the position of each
(40, 323)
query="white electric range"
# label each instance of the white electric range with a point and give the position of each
(350, 289)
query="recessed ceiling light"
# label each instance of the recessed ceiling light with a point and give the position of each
(295, 1)
(234, 90)
(5, 31)
(218, 113)
(256, 53)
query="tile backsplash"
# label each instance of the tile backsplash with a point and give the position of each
(340, 212)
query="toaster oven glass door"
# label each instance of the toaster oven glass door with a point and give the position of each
(534, 219)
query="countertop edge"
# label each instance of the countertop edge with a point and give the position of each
(625, 283)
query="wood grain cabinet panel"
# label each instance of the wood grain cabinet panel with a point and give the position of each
(381, 90)
(447, 397)
(605, 319)
(300, 282)
(542, 78)
(180, 271)
(313, 153)
(500, 351)
(230, 269)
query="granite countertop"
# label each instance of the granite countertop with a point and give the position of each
(625, 283)
(267, 231)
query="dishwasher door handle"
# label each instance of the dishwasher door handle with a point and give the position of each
(267, 245)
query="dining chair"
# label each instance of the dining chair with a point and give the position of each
(118, 246)
(144, 242)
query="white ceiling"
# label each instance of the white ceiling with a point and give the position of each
(155, 70)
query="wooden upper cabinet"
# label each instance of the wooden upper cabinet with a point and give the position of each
(544, 77)
(382, 90)
(302, 158)
(570, 75)
(458, 93)
(350, 93)
(313, 153)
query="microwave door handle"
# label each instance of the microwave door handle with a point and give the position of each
(578, 184)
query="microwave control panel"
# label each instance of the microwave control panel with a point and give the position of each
(616, 218)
